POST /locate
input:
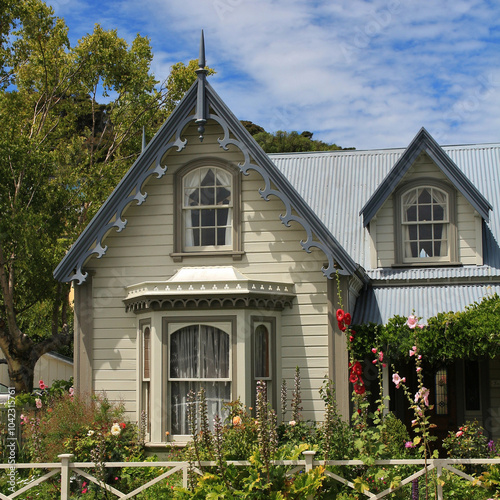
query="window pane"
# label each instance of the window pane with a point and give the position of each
(207, 196)
(207, 218)
(425, 249)
(262, 353)
(147, 351)
(424, 213)
(424, 195)
(223, 196)
(214, 358)
(208, 237)
(184, 349)
(438, 212)
(411, 214)
(425, 231)
(441, 380)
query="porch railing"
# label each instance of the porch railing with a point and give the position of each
(66, 467)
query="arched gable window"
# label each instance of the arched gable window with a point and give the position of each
(207, 208)
(426, 217)
(207, 219)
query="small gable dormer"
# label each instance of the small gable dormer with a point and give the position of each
(425, 212)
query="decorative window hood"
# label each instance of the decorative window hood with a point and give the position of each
(208, 287)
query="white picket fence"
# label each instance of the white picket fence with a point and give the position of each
(66, 468)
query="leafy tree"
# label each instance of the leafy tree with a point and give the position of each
(290, 142)
(61, 154)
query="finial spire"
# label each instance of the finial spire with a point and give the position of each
(201, 111)
(201, 59)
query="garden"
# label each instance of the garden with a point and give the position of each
(261, 452)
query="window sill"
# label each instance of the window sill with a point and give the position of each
(426, 264)
(235, 254)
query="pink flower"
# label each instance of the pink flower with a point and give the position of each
(41, 385)
(374, 361)
(412, 321)
(38, 403)
(413, 351)
(397, 379)
(381, 356)
(408, 444)
(459, 433)
(71, 391)
(423, 394)
(374, 350)
(419, 368)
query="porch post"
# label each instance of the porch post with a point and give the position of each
(65, 460)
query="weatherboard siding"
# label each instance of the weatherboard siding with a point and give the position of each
(272, 252)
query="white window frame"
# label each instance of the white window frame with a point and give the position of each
(144, 383)
(450, 223)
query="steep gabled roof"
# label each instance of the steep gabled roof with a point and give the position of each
(208, 106)
(424, 142)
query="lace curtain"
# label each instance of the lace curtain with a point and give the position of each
(199, 355)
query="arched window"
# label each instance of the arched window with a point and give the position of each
(199, 357)
(207, 208)
(427, 225)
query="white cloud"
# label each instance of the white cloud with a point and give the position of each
(359, 73)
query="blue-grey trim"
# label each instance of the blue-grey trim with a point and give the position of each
(423, 141)
(110, 214)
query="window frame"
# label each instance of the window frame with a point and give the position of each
(173, 324)
(271, 384)
(399, 226)
(234, 249)
(144, 383)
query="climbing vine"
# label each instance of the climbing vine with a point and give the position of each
(470, 334)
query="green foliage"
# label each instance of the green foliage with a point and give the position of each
(289, 142)
(470, 334)
(468, 442)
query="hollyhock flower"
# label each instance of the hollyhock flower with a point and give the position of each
(459, 433)
(122, 425)
(340, 315)
(413, 351)
(71, 391)
(419, 369)
(381, 356)
(423, 394)
(351, 338)
(292, 423)
(347, 319)
(374, 350)
(397, 379)
(41, 385)
(236, 420)
(353, 378)
(38, 403)
(359, 389)
(408, 444)
(342, 327)
(357, 368)
(375, 361)
(414, 422)
(116, 429)
(412, 321)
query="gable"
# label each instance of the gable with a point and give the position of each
(171, 139)
(423, 142)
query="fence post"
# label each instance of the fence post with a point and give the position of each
(439, 471)
(185, 473)
(65, 460)
(309, 457)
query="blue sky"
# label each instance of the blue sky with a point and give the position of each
(367, 74)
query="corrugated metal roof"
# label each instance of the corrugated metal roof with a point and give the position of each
(338, 184)
(379, 304)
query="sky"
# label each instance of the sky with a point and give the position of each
(363, 74)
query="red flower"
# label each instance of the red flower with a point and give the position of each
(342, 327)
(340, 315)
(347, 318)
(357, 368)
(359, 389)
(122, 425)
(353, 377)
